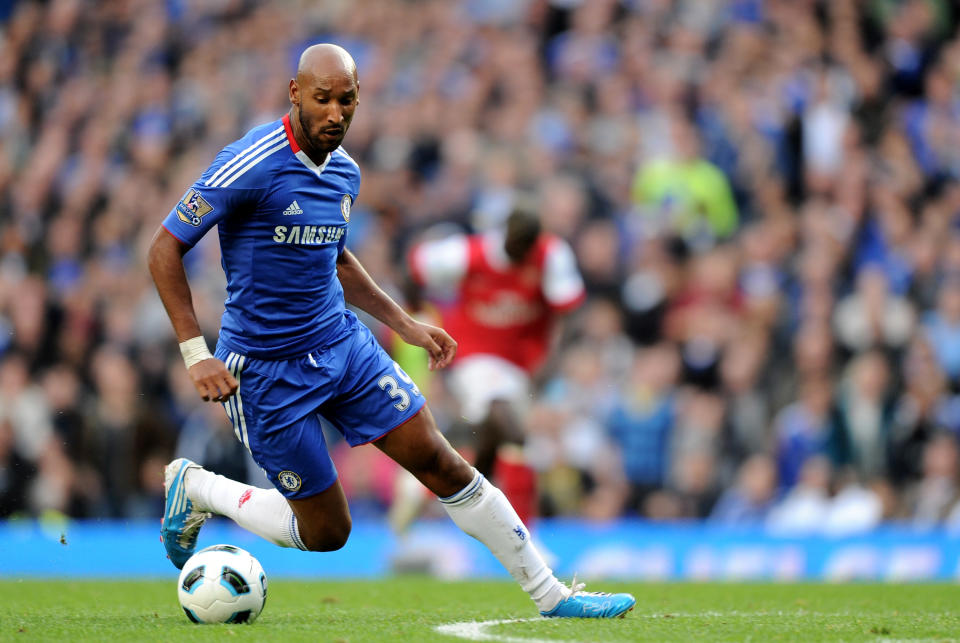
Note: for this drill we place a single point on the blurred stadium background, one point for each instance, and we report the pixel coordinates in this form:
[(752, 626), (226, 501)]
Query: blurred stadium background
[(763, 197)]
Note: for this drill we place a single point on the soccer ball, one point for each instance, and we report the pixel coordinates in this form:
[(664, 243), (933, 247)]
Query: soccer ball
[(222, 584)]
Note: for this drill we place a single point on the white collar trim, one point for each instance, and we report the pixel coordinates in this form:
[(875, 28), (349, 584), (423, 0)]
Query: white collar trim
[(313, 167)]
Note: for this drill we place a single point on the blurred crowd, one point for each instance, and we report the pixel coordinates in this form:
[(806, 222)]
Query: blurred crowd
[(763, 197)]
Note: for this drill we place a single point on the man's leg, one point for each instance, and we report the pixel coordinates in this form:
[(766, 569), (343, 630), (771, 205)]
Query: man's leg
[(507, 464), (306, 509), (318, 523), (493, 395), (478, 508)]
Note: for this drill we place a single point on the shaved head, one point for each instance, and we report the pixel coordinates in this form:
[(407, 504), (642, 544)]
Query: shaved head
[(326, 58), (323, 98)]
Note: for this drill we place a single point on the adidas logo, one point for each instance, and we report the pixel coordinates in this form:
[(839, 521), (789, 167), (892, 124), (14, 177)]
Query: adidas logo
[(293, 208)]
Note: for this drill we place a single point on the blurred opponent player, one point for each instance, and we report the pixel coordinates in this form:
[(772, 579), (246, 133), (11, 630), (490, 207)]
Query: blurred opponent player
[(289, 350), (510, 287)]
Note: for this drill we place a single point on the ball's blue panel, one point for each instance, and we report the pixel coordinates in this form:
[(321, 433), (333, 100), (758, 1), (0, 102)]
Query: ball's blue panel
[(194, 579)]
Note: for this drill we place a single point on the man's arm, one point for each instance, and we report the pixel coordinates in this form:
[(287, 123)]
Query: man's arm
[(361, 291), (165, 258)]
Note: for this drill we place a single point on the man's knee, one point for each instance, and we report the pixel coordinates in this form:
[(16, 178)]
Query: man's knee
[(329, 537), (452, 466), (449, 474)]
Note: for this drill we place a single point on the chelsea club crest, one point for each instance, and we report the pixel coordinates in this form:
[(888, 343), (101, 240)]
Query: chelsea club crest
[(345, 204), (289, 480)]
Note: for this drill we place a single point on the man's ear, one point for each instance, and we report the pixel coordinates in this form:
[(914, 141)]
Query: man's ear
[(294, 92)]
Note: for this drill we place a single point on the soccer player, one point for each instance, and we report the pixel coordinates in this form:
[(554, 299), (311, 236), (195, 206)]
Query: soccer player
[(512, 286), (289, 350)]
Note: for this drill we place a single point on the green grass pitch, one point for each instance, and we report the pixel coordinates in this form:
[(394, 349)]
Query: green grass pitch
[(411, 609)]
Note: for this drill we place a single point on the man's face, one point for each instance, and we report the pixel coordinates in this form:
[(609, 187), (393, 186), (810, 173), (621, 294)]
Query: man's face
[(520, 238), (326, 105), (518, 247)]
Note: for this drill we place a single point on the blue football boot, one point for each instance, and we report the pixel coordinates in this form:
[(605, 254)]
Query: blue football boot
[(581, 604), (181, 521)]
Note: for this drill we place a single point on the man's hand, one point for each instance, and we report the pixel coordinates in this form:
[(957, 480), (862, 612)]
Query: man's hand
[(439, 345), (213, 380)]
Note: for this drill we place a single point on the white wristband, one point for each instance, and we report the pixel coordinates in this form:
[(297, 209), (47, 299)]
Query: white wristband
[(194, 350)]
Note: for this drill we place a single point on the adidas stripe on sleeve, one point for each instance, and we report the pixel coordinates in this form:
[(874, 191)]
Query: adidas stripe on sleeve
[(230, 184)]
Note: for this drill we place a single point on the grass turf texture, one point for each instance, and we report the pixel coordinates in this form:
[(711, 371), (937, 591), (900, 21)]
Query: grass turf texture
[(409, 609)]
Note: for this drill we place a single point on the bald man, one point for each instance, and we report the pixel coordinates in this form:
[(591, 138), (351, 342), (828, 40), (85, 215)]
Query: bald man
[(290, 352)]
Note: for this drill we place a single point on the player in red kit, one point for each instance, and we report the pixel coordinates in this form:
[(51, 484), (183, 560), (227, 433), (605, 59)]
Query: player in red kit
[(511, 286)]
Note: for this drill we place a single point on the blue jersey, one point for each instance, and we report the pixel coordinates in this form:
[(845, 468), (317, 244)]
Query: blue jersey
[(282, 221)]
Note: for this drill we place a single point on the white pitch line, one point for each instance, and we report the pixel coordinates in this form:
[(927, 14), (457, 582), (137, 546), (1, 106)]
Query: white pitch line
[(476, 631)]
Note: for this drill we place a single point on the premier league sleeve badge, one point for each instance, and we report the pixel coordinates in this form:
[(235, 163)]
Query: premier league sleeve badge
[(193, 207)]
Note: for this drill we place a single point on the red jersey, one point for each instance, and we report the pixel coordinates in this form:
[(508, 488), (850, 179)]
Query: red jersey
[(500, 308)]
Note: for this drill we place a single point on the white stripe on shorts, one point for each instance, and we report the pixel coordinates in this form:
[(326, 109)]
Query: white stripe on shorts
[(243, 420), (231, 404)]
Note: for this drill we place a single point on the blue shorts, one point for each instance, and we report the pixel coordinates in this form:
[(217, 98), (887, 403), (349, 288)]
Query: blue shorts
[(352, 384)]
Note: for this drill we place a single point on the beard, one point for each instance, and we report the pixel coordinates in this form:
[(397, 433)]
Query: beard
[(316, 144)]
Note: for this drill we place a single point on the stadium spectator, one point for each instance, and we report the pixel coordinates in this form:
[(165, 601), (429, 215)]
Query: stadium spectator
[(750, 500), (855, 507), (872, 317), (641, 421), (942, 328), (686, 193), (804, 507), (805, 428), (929, 502), (746, 422), (24, 406), (863, 415), (16, 472), (924, 407)]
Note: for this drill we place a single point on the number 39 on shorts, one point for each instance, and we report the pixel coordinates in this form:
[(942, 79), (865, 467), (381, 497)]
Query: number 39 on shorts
[(389, 384)]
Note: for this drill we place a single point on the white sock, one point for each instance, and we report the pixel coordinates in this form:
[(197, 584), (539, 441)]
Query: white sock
[(481, 510), (265, 512)]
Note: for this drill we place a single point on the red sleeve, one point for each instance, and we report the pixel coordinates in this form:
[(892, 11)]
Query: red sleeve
[(414, 266)]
